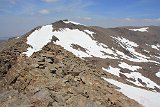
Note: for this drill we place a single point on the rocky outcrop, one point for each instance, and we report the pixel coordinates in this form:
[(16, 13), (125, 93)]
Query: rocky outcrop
[(54, 77)]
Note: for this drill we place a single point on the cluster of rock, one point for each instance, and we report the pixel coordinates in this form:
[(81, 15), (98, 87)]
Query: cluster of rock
[(54, 77)]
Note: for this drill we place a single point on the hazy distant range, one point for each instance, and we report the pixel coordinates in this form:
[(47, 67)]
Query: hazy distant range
[(3, 38)]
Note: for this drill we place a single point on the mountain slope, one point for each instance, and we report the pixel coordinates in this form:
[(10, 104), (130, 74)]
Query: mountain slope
[(55, 77), (38, 64)]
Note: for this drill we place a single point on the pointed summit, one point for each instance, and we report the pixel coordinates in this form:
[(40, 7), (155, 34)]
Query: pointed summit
[(66, 24)]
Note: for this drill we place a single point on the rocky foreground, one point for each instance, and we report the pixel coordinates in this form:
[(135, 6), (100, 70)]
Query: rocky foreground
[(53, 77)]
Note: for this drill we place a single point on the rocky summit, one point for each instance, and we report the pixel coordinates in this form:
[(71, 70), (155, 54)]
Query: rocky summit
[(68, 64)]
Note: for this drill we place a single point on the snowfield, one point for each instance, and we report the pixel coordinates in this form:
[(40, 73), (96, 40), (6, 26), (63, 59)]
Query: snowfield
[(38, 39), (144, 97), (130, 67), (130, 46), (141, 29), (155, 47), (67, 37), (84, 39), (132, 75), (111, 70), (136, 76)]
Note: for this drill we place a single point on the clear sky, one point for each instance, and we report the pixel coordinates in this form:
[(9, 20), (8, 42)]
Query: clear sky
[(20, 16)]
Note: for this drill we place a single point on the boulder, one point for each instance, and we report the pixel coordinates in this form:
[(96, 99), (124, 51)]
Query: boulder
[(14, 99), (50, 60), (35, 65), (41, 98), (81, 101)]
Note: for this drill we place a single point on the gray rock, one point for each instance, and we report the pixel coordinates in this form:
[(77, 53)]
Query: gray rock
[(41, 63), (35, 65), (49, 60), (81, 101), (90, 103), (58, 98), (53, 70), (54, 38), (41, 59), (14, 99), (42, 96), (41, 67), (74, 73)]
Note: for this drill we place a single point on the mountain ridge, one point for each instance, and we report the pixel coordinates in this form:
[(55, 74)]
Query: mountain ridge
[(115, 53)]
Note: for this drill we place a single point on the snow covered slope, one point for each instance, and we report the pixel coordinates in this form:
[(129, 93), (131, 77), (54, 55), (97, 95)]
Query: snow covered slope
[(38, 39), (130, 57), (141, 29), (144, 97)]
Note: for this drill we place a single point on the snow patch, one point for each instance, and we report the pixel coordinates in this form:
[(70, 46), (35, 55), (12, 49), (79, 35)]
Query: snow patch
[(155, 47), (158, 74), (89, 32), (111, 70), (126, 42), (141, 29), (38, 39), (130, 46), (67, 37), (75, 23), (158, 45), (146, 51), (144, 97), (17, 37), (130, 67), (136, 76)]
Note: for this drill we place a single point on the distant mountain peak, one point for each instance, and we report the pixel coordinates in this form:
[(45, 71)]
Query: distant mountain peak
[(65, 23)]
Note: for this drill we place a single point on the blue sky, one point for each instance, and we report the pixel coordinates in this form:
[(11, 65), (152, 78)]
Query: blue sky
[(19, 16)]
